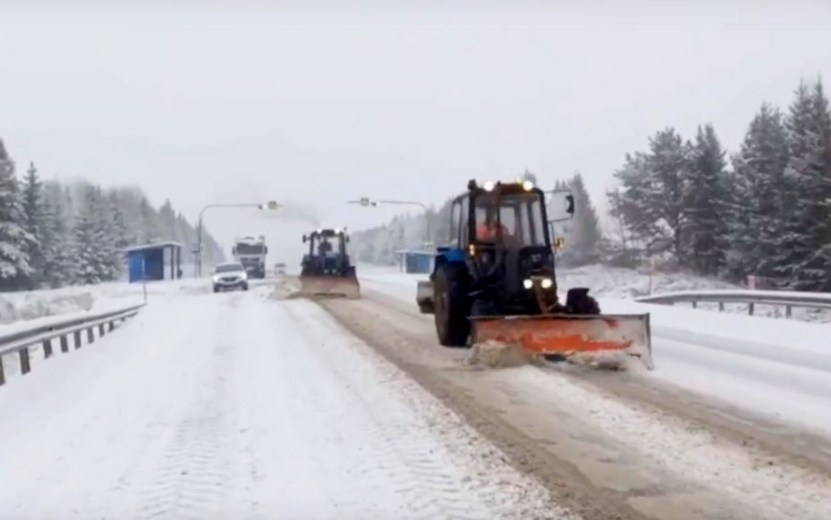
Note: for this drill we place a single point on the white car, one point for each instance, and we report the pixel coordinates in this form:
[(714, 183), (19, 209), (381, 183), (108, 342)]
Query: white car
[(230, 276)]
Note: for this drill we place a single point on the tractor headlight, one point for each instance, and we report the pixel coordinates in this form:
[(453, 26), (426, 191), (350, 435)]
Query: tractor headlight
[(527, 185), (547, 283), (528, 283), (489, 186)]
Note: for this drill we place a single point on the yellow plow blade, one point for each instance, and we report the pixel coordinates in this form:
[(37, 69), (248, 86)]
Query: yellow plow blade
[(330, 287), (569, 335)]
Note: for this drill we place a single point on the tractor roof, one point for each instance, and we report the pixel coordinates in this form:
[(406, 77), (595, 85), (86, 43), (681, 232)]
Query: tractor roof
[(503, 187), (327, 232)]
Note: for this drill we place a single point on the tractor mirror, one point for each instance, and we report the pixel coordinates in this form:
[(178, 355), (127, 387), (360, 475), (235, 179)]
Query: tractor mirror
[(559, 243), (560, 205), (305, 239), (346, 238)]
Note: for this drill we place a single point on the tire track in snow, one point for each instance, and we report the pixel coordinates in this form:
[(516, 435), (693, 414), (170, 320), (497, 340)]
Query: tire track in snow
[(195, 476), (422, 472), (391, 454)]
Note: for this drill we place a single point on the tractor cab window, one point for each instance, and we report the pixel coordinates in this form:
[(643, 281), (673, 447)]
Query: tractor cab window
[(325, 245), (514, 219)]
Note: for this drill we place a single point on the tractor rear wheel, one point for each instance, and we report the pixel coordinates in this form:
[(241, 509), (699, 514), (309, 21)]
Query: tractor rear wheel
[(451, 306), (579, 302)]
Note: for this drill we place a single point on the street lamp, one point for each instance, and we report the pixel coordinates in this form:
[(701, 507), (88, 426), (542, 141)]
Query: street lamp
[(369, 203), (270, 205)]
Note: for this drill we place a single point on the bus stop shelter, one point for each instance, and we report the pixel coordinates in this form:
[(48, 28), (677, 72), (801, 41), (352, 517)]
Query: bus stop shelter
[(415, 261), (159, 261)]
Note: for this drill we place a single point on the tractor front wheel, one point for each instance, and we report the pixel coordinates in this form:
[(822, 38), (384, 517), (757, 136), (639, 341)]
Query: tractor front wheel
[(451, 306), (579, 302)]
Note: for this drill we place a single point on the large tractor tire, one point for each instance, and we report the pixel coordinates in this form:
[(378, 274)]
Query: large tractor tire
[(451, 306), (579, 302)]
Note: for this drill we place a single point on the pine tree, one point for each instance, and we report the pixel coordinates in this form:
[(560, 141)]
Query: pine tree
[(528, 175), (757, 185), (583, 238), (803, 256), (14, 239), (33, 222), (707, 204), (652, 199), (59, 265), (111, 254), (89, 240), (149, 225)]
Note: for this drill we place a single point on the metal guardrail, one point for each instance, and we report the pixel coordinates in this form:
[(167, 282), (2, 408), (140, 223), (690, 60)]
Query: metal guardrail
[(751, 298), (20, 341)]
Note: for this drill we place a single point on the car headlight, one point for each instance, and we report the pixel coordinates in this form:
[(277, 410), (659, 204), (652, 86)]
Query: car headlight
[(528, 283), (547, 283)]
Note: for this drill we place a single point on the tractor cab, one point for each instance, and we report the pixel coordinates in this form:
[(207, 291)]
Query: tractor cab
[(327, 252), (500, 231)]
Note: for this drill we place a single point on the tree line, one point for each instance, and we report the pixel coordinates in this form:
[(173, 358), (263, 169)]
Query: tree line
[(54, 234), (764, 210)]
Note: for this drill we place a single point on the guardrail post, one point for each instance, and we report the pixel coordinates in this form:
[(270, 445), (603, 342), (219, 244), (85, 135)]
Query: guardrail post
[(721, 306), (2, 375), (77, 339), (750, 308), (47, 348), (64, 344), (101, 330), (90, 334), (112, 326), (24, 360), (788, 311), (695, 304)]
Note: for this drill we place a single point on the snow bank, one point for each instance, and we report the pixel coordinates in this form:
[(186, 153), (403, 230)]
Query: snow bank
[(26, 306), (605, 283)]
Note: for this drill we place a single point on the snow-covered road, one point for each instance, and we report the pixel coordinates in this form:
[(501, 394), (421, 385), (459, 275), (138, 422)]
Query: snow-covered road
[(242, 406), (673, 453), (776, 368)]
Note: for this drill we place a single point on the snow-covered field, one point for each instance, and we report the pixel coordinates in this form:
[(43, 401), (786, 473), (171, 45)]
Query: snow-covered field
[(779, 368), (240, 405)]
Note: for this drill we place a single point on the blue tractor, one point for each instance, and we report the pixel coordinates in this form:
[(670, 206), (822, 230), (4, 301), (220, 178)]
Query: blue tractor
[(495, 280), (326, 269)]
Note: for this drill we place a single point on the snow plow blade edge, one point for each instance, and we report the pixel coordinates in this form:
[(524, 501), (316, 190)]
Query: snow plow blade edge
[(330, 287), (569, 335)]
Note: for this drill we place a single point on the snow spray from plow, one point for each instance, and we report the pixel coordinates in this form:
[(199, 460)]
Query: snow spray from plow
[(574, 337)]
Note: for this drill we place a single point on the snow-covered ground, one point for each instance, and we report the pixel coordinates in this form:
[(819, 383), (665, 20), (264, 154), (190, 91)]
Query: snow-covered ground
[(240, 405), (776, 367)]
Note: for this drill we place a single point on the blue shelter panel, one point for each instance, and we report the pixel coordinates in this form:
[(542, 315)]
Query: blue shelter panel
[(135, 261), (154, 264)]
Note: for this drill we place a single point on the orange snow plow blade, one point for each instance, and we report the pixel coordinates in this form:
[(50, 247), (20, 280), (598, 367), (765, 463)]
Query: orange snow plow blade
[(330, 287), (569, 335)]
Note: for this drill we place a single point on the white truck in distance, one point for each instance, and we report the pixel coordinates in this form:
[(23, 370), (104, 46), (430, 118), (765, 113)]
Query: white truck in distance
[(250, 252)]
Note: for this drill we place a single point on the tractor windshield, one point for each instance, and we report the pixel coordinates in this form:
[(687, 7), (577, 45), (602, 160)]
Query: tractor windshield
[(323, 245), (515, 219)]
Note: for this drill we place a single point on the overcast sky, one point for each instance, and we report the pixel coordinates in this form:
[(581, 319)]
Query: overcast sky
[(205, 102)]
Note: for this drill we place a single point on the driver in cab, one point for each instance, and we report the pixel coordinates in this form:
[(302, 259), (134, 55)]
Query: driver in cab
[(491, 231)]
